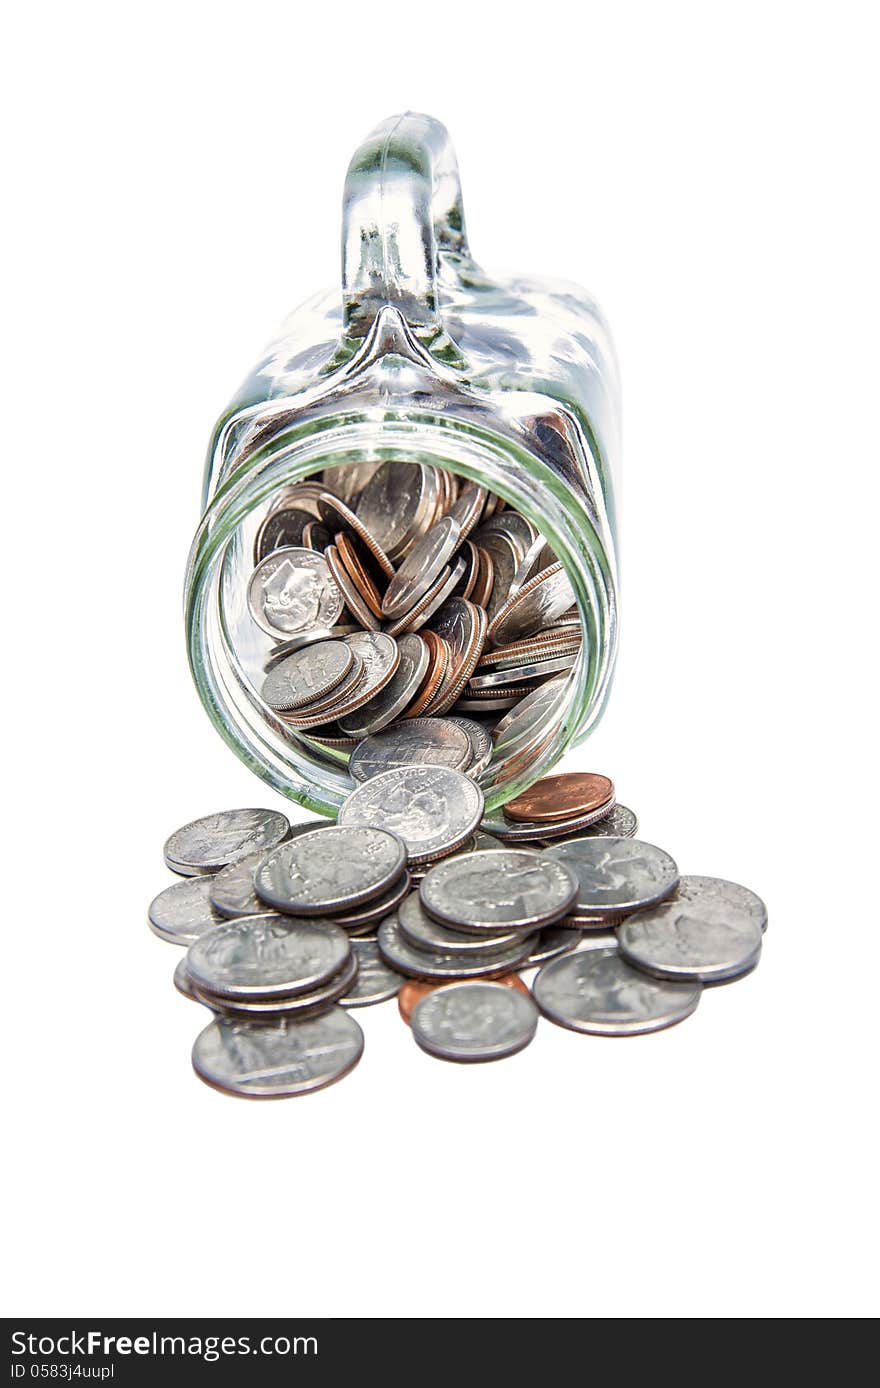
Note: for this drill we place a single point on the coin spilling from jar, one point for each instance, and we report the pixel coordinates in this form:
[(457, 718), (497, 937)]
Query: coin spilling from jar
[(398, 594), (415, 894)]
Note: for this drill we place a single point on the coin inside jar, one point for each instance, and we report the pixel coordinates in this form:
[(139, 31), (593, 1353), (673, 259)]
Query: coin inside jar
[(413, 742)]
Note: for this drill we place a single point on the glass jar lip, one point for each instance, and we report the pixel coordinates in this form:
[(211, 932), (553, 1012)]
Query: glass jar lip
[(466, 447)]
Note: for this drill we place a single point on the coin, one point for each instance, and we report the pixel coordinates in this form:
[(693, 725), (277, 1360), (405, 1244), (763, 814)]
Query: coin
[(348, 480), (422, 567), (375, 982), (307, 675), (521, 533), (359, 920), (414, 742), (232, 888), (414, 989), (397, 951), (524, 724), (481, 744), (183, 911), (281, 529), (307, 638), (354, 599), (208, 844), (538, 602), (539, 669), (551, 943), (337, 515), (505, 556), (597, 991), (307, 1004), (330, 870), (433, 600), (474, 1021), (616, 876), (358, 572), (561, 796), (468, 507), (322, 710), (424, 932), (433, 809), (439, 656), (703, 933), (462, 625), (506, 889), (618, 823), (262, 1060), (315, 536), (394, 697), (181, 981), (539, 833), (397, 505), (715, 897), (292, 590), (266, 956)]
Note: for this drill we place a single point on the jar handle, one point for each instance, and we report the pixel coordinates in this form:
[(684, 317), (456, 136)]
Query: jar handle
[(402, 208)]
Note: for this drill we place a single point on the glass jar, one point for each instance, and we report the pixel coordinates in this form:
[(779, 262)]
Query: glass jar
[(511, 382)]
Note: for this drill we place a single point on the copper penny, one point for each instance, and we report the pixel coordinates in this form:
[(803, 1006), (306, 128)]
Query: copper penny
[(463, 626), (440, 657), (337, 515), (562, 796), (485, 579), (358, 573), (415, 989), (348, 588)]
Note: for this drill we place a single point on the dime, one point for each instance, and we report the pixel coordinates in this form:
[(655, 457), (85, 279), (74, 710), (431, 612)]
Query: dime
[(471, 558), (281, 529), (481, 744), (597, 991), (266, 956), (414, 989), (337, 515), (474, 1021), (422, 567), (527, 567), (702, 932), (508, 889), (375, 982), (307, 1004), (307, 675), (414, 742), (354, 600), (616, 876), (618, 823), (272, 1060), (330, 870), (538, 602), (394, 697), (208, 844), (426, 933), (397, 951), (433, 809), (291, 591), (397, 505), (562, 796), (551, 943), (183, 911)]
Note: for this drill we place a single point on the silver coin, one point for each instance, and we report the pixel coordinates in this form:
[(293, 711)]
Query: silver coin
[(616, 875), (381, 656), (426, 933), (505, 556), (521, 673), (433, 809), (232, 888), (534, 607), (375, 982), (551, 943), (468, 507), (597, 991), (397, 694), (526, 720), (307, 638), (451, 577), (307, 1004), (322, 711), (307, 676), (331, 870), (618, 823), (508, 889), (402, 955), (348, 480), (528, 566), (396, 503), (521, 533), (694, 935), (183, 911), (355, 922), (522, 831), (208, 844), (182, 983), (266, 956), (422, 567), (716, 897), (281, 529), (414, 742), (273, 1060), (474, 1021), (481, 744), (292, 590)]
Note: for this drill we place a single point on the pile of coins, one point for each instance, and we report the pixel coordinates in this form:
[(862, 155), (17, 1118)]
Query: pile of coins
[(414, 894), (396, 592)]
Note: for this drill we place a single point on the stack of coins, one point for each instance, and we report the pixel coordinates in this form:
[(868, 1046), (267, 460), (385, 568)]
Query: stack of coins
[(396, 591), (288, 929)]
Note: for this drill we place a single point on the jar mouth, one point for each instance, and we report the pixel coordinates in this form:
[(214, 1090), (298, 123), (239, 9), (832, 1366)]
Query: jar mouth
[(228, 652)]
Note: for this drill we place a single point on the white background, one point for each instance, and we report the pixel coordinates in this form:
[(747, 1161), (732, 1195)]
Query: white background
[(174, 187)]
